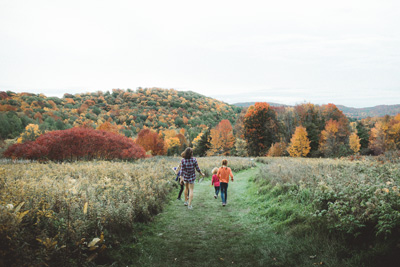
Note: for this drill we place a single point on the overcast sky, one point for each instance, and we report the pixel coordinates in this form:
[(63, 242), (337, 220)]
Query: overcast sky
[(343, 52)]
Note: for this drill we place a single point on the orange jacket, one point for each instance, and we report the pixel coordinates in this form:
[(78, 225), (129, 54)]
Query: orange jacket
[(224, 173)]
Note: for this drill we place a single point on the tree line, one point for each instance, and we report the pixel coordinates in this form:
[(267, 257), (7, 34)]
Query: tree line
[(306, 130)]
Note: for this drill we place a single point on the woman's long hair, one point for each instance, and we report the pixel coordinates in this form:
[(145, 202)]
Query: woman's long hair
[(188, 153)]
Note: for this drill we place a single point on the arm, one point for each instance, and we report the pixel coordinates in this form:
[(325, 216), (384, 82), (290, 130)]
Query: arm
[(178, 169), (198, 168), (230, 173)]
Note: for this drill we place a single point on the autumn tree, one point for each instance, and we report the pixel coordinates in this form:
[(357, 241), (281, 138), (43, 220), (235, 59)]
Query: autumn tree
[(202, 143), (331, 112), (311, 117), (222, 139), (238, 129), (378, 139), (109, 127), (31, 133), (354, 142), (299, 145), (277, 149), (329, 144), (261, 128), (394, 131), (151, 141)]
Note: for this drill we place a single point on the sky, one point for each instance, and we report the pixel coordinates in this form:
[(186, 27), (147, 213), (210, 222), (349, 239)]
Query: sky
[(343, 52)]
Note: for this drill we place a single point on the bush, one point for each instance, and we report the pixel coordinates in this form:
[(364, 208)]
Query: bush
[(77, 143)]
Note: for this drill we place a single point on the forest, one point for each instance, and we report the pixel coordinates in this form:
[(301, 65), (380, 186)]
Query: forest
[(165, 121)]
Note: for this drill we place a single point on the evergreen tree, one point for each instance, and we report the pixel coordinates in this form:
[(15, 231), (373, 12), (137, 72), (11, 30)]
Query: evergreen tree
[(203, 144)]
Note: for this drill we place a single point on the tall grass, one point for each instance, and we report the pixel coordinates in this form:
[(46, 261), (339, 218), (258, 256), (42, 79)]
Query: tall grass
[(71, 213), (358, 201)]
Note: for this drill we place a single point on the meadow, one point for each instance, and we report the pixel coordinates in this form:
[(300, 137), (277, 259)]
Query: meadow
[(354, 202), (73, 213)]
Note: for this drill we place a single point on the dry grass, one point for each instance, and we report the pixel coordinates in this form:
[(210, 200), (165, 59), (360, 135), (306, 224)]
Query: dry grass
[(52, 213)]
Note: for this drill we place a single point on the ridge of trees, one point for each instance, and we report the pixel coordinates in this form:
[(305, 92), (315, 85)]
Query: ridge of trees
[(130, 110), (165, 122)]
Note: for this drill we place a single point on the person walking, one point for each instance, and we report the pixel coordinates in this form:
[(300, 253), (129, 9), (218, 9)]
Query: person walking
[(178, 172), (189, 166), (223, 173), (215, 182)]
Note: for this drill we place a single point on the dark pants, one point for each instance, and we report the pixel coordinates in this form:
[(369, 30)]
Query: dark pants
[(216, 190), (181, 190), (224, 192)]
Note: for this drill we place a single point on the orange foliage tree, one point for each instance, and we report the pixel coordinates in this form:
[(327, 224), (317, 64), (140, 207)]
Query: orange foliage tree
[(277, 149), (299, 143), (107, 126), (394, 131), (151, 141), (261, 128), (378, 138), (222, 139), (329, 144)]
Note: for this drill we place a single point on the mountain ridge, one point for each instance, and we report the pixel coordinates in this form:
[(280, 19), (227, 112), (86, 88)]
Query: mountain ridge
[(354, 113)]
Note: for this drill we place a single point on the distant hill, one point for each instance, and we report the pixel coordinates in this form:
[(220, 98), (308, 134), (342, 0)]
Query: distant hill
[(131, 110), (377, 111), (355, 113), (248, 104)]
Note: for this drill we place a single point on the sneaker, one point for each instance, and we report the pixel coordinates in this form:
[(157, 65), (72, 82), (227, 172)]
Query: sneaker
[(223, 204), (215, 196), (185, 203), (190, 207), (179, 198)]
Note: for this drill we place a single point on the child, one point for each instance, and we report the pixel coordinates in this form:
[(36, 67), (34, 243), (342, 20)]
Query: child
[(215, 182), (223, 173), (178, 175)]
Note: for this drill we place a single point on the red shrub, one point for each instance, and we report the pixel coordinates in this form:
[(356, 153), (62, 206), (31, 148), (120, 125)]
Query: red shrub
[(77, 143)]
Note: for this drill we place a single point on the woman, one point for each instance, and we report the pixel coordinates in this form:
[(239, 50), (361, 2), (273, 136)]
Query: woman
[(189, 166)]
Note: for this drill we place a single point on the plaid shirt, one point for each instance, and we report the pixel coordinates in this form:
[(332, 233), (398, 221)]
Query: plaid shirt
[(188, 167)]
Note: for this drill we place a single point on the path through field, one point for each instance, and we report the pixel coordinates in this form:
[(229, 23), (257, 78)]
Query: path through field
[(212, 235)]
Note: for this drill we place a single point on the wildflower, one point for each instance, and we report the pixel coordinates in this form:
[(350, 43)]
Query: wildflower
[(10, 206), (385, 190)]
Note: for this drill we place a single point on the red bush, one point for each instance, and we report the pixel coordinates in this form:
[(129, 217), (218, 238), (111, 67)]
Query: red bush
[(77, 143)]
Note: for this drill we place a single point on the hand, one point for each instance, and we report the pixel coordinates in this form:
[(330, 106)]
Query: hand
[(202, 174)]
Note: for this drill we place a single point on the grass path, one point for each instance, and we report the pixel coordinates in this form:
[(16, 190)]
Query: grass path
[(212, 235)]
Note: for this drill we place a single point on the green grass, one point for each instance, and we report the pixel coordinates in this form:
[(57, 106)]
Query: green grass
[(246, 232)]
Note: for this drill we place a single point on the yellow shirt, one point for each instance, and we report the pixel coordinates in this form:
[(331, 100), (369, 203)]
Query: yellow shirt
[(224, 173)]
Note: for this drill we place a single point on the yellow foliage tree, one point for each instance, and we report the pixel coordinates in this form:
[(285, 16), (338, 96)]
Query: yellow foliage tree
[(196, 141), (31, 133), (299, 143), (354, 142)]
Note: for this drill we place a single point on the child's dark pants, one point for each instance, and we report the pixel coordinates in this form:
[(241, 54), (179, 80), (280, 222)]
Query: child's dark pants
[(224, 191), (216, 190)]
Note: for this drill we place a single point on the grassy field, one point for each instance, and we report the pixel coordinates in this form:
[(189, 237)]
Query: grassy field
[(282, 212), (73, 213), (270, 221)]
